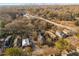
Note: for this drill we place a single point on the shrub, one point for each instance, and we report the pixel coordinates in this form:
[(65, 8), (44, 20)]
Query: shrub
[(61, 44), (13, 52), (49, 40), (2, 24), (77, 35), (1, 33)]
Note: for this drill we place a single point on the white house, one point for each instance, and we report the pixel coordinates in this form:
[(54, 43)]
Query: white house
[(8, 38), (26, 15), (58, 34), (25, 42), (65, 31)]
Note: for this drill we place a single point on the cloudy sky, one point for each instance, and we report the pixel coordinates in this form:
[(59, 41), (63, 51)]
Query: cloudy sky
[(37, 1)]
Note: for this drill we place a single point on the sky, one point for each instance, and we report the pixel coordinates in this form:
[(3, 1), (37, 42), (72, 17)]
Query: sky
[(37, 1)]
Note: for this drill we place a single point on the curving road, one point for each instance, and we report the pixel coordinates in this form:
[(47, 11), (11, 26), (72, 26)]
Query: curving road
[(59, 25)]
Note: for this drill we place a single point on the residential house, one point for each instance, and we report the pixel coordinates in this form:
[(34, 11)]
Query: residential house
[(59, 34), (27, 42), (7, 42)]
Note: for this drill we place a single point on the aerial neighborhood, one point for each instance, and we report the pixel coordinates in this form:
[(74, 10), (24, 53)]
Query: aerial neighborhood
[(45, 30)]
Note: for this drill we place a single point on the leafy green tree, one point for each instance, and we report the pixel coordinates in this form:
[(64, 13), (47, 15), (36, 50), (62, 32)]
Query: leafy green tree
[(61, 44), (2, 24)]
